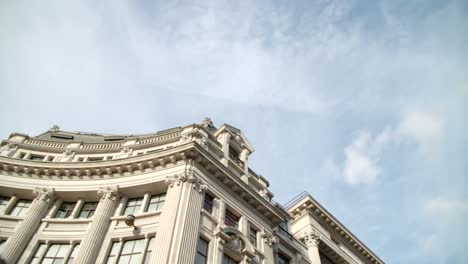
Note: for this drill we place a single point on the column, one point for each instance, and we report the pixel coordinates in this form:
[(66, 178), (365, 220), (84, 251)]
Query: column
[(144, 203), (163, 239), (186, 239), (54, 209), (25, 230), (312, 241), (120, 209), (77, 209), (91, 243), (177, 233), (221, 213), (10, 204)]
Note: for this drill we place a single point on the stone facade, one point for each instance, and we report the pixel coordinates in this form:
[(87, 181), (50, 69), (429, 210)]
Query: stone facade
[(182, 195)]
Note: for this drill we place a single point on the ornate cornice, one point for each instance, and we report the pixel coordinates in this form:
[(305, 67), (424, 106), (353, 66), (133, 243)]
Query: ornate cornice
[(109, 192), (305, 204)]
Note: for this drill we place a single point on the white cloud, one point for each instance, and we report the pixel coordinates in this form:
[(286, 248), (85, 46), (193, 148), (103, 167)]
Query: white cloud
[(446, 208), (423, 127), (362, 156)]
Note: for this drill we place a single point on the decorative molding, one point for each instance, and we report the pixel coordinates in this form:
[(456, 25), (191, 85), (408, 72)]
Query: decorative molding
[(311, 238), (269, 238), (44, 194), (109, 192)]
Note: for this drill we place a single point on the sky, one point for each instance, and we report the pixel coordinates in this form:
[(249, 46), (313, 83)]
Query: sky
[(363, 104)]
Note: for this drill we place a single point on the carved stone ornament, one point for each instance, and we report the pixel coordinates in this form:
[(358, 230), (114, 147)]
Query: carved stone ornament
[(235, 244), (202, 141), (270, 239), (264, 194), (109, 192), (175, 180), (44, 194), (311, 238)]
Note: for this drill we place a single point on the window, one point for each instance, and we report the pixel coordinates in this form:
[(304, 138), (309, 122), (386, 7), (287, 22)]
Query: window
[(228, 260), (202, 251), (88, 209), (156, 202), (91, 159), (133, 205), (131, 251), (54, 253), (3, 204), (282, 259), (65, 210), (208, 203), (21, 207), (36, 157), (149, 250), (73, 254), (253, 236), (231, 219)]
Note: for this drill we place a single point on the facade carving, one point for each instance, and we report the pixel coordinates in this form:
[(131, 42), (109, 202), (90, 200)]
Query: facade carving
[(93, 197)]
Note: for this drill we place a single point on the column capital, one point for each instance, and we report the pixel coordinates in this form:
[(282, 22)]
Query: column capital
[(311, 238), (44, 194), (270, 239), (109, 192)]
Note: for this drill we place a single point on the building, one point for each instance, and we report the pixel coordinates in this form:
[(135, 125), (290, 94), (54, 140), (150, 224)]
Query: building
[(182, 195)]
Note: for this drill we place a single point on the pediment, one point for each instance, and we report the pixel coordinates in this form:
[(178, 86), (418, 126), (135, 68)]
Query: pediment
[(236, 136)]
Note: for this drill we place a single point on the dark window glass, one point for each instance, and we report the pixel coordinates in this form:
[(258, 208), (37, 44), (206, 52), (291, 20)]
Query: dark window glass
[(202, 251), (208, 203), (231, 219), (282, 259), (156, 202), (133, 205), (253, 237), (3, 204), (21, 208), (228, 260), (88, 209), (65, 210)]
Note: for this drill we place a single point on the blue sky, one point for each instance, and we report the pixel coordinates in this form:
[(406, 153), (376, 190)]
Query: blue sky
[(360, 103)]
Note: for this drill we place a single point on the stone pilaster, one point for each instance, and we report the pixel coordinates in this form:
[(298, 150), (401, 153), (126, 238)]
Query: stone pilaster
[(312, 241), (177, 234), (164, 235), (16, 244), (91, 243)]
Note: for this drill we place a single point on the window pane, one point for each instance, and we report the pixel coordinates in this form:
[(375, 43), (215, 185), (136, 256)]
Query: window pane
[(133, 205), (124, 260), (3, 203), (88, 209), (65, 210), (21, 208), (63, 251), (128, 247)]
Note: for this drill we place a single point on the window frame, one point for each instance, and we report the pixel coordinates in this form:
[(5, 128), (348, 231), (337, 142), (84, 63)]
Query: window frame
[(208, 203), (284, 258), (4, 201), (68, 212), (89, 211), (159, 203), (47, 245), (200, 238), (136, 207), (255, 237), (120, 243), (229, 216), (23, 211)]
